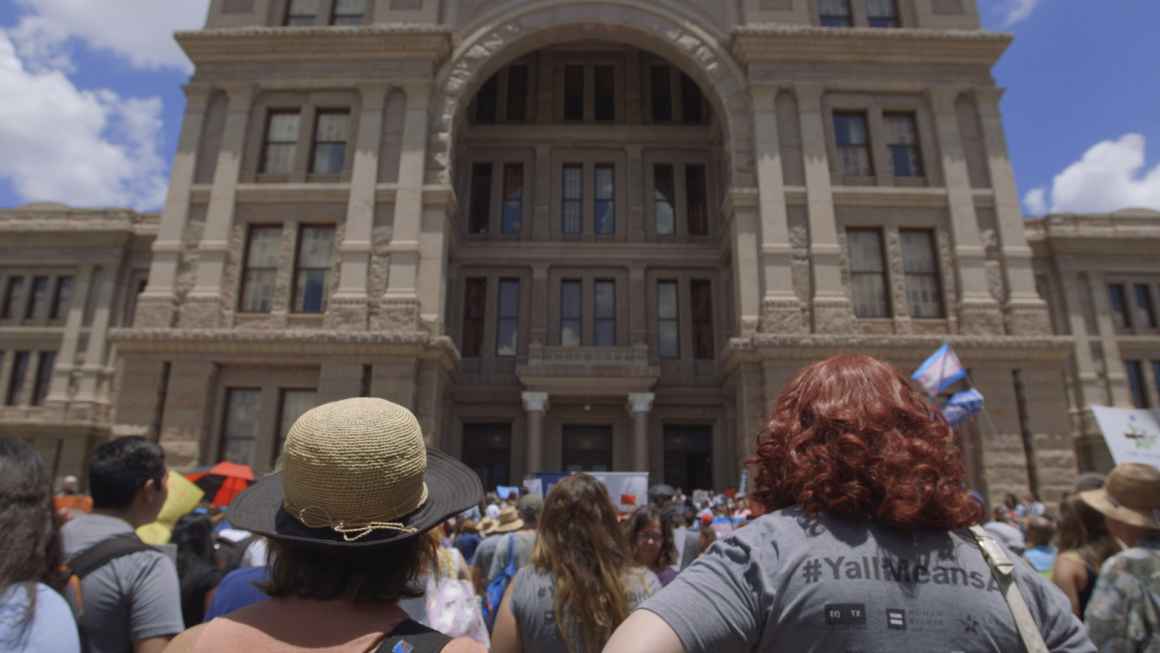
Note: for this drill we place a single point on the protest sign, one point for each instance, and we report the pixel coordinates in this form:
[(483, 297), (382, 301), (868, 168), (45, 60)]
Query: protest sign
[(1133, 435)]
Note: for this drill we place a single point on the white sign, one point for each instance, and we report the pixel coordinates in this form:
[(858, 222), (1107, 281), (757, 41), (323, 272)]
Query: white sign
[(1133, 435), (534, 486), (621, 485)]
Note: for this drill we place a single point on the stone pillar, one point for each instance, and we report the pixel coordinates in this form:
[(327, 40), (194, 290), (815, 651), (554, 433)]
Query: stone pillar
[(741, 215), (66, 357), (832, 310), (536, 404), (780, 312), (438, 204), (203, 307), (348, 309), (156, 306), (1091, 389), (1118, 390), (94, 367), (189, 413), (636, 193), (1025, 311), (637, 305), (639, 405), (542, 197), (978, 310), (539, 330)]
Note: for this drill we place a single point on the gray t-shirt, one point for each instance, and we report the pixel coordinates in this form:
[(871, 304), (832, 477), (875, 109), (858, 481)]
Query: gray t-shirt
[(131, 598), (524, 542), (789, 583), (532, 604), (484, 553)]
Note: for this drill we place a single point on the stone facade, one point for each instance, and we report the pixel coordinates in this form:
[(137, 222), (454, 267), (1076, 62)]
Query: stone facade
[(586, 234)]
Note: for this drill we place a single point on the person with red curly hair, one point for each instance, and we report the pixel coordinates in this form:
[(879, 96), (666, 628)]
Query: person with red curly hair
[(864, 543)]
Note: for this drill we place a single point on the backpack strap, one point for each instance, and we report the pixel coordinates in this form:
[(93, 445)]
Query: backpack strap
[(1003, 570), (104, 552), (413, 637)]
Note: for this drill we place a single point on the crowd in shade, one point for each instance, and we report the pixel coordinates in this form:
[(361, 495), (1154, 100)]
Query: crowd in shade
[(858, 533)]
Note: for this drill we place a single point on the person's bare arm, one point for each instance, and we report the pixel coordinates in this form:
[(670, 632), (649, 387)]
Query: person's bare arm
[(1069, 575), (506, 637), (183, 643), (644, 631)]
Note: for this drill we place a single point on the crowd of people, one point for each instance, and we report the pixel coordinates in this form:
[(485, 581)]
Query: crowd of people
[(858, 533)]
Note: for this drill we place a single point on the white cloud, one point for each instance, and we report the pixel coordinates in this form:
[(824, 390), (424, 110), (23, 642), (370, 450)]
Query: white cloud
[(86, 148), (1110, 176), (1010, 12)]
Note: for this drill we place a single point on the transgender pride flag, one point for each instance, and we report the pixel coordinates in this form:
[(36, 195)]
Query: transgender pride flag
[(940, 371)]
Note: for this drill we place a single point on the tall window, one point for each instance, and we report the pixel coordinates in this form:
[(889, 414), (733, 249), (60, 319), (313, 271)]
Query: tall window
[(16, 378), (1145, 310), (302, 12), (480, 209), (260, 269), (605, 82), (486, 101), (571, 313), (1118, 298), (12, 291), (668, 320), (574, 92), (46, 361), (508, 326), (331, 132), (312, 268), (604, 181), (240, 425), (882, 13), (923, 291), (292, 403), (853, 144), (664, 202), (661, 84), (835, 13), (281, 139), (701, 295), (348, 12), (867, 273), (474, 309), (572, 202), (487, 451), (37, 305), (61, 298), (696, 201), (513, 199), (604, 298), (1135, 372), (905, 154), (692, 102), (517, 93)]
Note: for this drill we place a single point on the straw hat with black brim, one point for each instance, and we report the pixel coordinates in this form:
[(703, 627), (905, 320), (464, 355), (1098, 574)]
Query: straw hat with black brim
[(356, 473), (1131, 496)]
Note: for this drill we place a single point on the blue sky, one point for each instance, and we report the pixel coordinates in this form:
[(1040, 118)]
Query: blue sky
[(99, 102)]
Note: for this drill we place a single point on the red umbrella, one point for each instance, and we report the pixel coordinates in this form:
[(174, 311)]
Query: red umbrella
[(223, 481)]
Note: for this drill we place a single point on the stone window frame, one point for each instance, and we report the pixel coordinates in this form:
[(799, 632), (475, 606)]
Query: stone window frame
[(875, 106), (488, 359), (907, 16), (270, 381), (937, 273), (308, 105), (503, 77), (588, 276), (589, 60), (1130, 281), (20, 302), (281, 8), (588, 158), (1138, 382), (648, 61), (138, 280), (498, 158), (679, 159), (683, 277)]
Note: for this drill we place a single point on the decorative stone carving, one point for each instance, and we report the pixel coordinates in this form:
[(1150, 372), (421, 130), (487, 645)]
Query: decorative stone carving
[(781, 317), (201, 313), (155, 312), (397, 316)]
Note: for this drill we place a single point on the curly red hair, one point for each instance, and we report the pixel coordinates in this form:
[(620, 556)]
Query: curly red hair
[(850, 437)]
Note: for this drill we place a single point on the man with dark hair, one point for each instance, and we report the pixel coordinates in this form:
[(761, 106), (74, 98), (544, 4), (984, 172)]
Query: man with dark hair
[(129, 598)]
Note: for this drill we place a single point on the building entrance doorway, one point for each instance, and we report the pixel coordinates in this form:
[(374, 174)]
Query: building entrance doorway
[(587, 448), (689, 456), (487, 449)]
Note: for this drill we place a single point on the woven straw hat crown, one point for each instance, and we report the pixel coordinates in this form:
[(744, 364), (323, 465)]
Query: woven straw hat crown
[(355, 465)]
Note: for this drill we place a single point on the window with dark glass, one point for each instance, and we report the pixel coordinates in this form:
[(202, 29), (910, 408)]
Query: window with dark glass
[(573, 92), (867, 273), (312, 268), (479, 213), (12, 291), (281, 139), (692, 102), (604, 180), (292, 404), (302, 12), (882, 13), (571, 312), (61, 298), (240, 425), (572, 200), (517, 93), (853, 144), (661, 84), (486, 101), (36, 307), (1145, 309), (835, 13), (1135, 373), (1118, 298), (474, 309), (487, 451), (905, 154), (701, 298), (664, 202), (668, 320), (604, 298), (45, 361), (16, 378), (513, 199), (331, 132), (923, 290), (696, 201), (605, 82), (260, 269), (349, 12), (508, 325)]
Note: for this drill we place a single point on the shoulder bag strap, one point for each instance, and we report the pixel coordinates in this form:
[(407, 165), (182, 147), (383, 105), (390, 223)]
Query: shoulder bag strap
[(1003, 569), (103, 552), (413, 637)]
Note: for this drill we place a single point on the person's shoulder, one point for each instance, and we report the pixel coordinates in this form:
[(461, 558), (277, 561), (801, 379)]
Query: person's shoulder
[(185, 641), (462, 645), (51, 602)]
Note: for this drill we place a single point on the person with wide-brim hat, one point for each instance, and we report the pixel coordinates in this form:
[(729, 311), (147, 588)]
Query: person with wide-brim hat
[(344, 514), (509, 521), (1122, 614)]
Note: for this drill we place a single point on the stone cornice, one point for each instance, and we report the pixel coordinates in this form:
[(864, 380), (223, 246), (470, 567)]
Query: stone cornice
[(1124, 233), (780, 42), (381, 40), (65, 220)]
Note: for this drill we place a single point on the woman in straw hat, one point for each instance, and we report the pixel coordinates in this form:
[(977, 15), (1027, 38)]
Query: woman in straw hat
[(345, 518)]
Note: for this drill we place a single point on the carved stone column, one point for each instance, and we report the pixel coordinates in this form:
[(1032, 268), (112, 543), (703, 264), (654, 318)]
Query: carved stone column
[(94, 367), (1092, 391), (741, 214), (66, 357), (639, 406), (536, 405), (1113, 364)]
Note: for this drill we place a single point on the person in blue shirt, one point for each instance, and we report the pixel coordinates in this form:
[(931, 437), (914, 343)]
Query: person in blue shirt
[(1040, 553), (237, 590)]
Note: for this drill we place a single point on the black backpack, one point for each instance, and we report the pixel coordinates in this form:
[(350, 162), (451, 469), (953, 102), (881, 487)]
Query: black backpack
[(91, 559)]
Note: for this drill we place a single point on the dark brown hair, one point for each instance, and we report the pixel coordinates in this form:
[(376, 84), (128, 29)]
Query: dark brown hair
[(1082, 529), (364, 575), (640, 519)]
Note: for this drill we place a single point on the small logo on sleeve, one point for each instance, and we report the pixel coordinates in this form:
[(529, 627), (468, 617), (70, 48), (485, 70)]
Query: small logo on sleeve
[(896, 619)]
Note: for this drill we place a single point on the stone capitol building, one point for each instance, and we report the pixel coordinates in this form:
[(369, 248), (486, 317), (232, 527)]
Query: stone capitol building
[(576, 234)]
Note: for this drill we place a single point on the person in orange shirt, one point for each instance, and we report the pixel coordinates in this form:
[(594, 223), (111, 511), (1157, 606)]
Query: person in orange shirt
[(70, 497)]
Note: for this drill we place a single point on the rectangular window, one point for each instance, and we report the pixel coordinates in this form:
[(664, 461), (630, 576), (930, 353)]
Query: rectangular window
[(517, 94), (701, 298), (508, 326), (349, 12), (479, 215), (1135, 372), (835, 13), (919, 262), (905, 154), (281, 139), (853, 144), (513, 199), (486, 101), (1118, 299), (46, 361), (260, 269), (331, 133), (302, 12), (604, 182), (573, 92), (605, 82), (1145, 310), (662, 93), (12, 291), (696, 200), (604, 313), (312, 268), (571, 314), (487, 451), (240, 425), (291, 405), (867, 273), (572, 200), (16, 378), (664, 200), (882, 13), (61, 298), (36, 307), (692, 102), (668, 321), (474, 308)]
